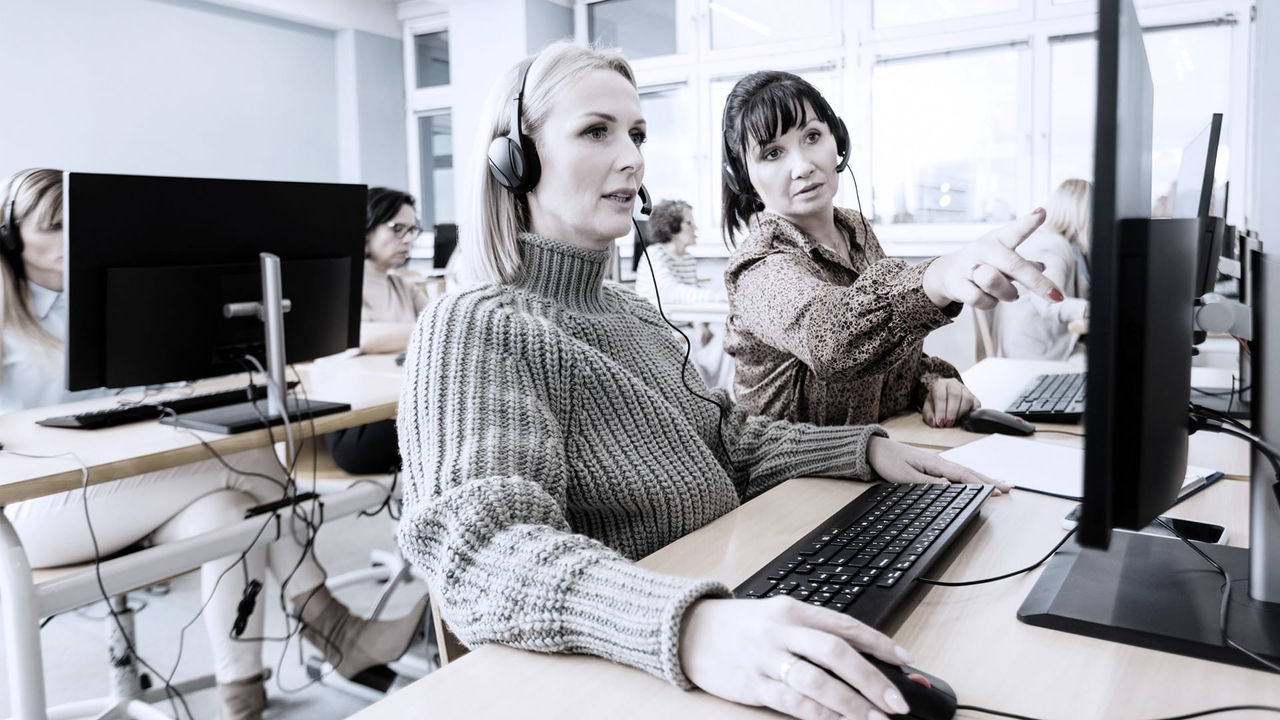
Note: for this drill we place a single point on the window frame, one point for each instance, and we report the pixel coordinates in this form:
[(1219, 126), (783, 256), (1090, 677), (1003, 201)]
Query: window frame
[(423, 102)]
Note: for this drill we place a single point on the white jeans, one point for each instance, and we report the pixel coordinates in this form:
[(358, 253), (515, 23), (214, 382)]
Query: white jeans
[(174, 504)]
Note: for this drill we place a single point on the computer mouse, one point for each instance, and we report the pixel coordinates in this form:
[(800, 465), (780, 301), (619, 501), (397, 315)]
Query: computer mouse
[(400, 358), (929, 697), (988, 420)]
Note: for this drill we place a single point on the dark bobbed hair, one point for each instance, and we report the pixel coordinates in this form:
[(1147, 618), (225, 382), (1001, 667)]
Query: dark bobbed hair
[(761, 107), (666, 219), (383, 204)]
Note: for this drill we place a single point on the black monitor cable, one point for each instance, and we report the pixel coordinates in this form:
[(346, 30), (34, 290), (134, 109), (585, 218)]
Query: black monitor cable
[(1226, 598), (688, 348), (983, 581), (173, 695), (1205, 419)]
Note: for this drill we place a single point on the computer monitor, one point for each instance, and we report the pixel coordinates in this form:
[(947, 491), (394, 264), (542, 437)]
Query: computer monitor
[(152, 261), (446, 241), (1125, 586), (1196, 172)]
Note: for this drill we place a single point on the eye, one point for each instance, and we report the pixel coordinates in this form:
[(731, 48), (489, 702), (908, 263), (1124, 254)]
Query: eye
[(772, 154), (596, 132), (813, 137), (639, 137)]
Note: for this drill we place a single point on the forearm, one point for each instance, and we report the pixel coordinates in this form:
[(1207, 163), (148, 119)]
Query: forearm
[(543, 588)]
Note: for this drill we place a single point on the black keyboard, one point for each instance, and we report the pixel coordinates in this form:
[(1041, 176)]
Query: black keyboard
[(137, 412), (1051, 398), (863, 561)]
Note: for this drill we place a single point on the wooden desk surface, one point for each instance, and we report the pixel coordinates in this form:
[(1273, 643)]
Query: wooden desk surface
[(996, 382), (967, 636), (370, 383)]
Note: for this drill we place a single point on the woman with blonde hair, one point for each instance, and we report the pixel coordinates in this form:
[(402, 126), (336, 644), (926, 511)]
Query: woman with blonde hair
[(165, 505), (1031, 327), (551, 435)]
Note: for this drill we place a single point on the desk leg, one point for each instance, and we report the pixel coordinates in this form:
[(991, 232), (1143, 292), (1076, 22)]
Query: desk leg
[(21, 628)]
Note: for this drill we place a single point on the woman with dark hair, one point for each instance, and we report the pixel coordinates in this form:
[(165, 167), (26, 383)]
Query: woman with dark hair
[(391, 305), (165, 505), (825, 328)]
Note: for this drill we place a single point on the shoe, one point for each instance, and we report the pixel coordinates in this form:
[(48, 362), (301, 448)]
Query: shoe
[(243, 699), (352, 644)]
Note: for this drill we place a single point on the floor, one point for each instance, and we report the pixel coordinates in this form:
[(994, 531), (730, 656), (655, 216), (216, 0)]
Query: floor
[(75, 657)]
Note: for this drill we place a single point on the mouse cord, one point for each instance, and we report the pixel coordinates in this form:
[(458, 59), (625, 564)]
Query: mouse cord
[(1188, 716), (1029, 568)]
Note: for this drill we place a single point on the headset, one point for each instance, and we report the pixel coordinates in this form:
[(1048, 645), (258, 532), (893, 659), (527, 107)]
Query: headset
[(513, 159), (10, 237)]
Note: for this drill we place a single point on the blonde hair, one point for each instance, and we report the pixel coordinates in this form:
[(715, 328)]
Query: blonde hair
[(497, 214), (38, 196), (1070, 211)]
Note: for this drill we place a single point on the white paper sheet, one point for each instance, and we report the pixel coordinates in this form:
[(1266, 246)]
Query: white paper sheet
[(1038, 466)]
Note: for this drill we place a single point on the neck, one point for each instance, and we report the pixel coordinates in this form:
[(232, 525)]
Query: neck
[(374, 265), (821, 227), (567, 274), (48, 281)]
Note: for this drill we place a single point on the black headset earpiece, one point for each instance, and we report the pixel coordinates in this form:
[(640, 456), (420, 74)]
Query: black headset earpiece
[(841, 134), (10, 237), (513, 160)]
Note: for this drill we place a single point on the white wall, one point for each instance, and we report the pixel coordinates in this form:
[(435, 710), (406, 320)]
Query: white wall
[(177, 87), (1266, 127)]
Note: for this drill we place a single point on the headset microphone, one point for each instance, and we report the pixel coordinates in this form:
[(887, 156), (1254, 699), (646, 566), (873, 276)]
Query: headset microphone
[(646, 207)]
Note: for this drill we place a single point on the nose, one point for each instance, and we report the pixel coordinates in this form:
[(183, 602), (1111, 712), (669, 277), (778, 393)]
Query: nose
[(630, 159), (801, 166)]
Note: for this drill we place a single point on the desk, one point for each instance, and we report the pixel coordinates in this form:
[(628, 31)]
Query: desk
[(996, 382), (370, 384), (968, 636), (710, 312)]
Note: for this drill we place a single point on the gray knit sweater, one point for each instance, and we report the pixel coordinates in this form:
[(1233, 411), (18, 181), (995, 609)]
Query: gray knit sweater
[(548, 442)]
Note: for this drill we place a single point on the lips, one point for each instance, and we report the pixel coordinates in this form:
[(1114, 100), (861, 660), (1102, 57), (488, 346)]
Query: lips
[(624, 195), (808, 189)]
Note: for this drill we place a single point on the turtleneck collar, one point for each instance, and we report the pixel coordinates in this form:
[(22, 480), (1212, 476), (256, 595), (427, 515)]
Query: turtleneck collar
[(566, 274)]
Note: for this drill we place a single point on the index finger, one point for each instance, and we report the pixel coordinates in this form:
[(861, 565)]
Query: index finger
[(959, 473), (1012, 235)]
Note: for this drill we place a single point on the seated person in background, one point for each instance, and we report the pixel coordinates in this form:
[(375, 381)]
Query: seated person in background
[(391, 305), (1031, 327), (672, 229), (822, 326), (165, 505), (676, 271), (550, 441)]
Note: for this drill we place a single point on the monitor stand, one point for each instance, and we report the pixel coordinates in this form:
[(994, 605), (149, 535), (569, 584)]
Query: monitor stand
[(1154, 592), (1223, 400), (245, 416)]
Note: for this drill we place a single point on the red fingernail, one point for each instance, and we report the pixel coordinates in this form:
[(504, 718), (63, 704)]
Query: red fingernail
[(1037, 210), (1055, 295)]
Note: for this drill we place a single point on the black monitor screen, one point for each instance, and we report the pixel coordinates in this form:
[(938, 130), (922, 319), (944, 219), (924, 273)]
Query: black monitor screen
[(446, 242), (152, 260)]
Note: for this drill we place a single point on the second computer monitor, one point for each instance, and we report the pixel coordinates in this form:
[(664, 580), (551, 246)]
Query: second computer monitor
[(152, 261), (1196, 172)]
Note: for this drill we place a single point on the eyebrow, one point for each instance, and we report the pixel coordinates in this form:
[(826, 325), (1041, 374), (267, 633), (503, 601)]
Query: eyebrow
[(607, 117)]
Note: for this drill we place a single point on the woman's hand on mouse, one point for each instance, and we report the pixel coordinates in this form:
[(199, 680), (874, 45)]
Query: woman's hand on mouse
[(982, 273), (948, 401), (899, 463), (772, 653)]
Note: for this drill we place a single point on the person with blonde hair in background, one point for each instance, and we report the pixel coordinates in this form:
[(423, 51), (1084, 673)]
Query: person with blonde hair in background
[(551, 435), (164, 505), (1031, 327)]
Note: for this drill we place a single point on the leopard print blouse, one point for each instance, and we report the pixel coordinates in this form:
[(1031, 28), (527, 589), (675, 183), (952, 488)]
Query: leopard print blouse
[(820, 340)]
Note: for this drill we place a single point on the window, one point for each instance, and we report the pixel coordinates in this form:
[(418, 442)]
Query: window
[(431, 57), (946, 138), (435, 148), (640, 28), (671, 170), (1190, 73), (894, 13), (745, 23)]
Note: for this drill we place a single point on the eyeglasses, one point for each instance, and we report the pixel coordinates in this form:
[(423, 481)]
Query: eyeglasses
[(401, 231)]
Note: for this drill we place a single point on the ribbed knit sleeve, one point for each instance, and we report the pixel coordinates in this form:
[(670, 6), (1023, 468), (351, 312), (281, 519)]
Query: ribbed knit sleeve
[(486, 498), (764, 452)]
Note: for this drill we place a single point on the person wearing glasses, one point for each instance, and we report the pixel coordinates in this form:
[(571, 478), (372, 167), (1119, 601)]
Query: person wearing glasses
[(165, 505), (390, 305)]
